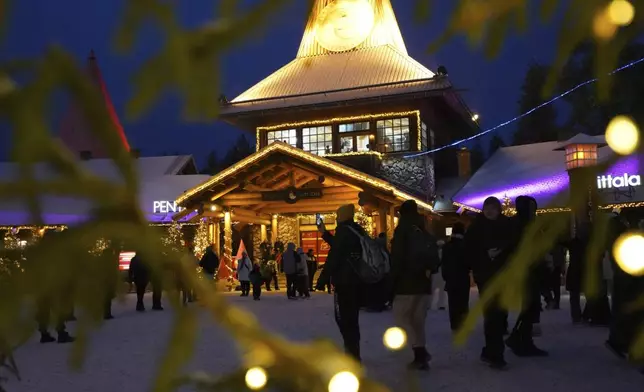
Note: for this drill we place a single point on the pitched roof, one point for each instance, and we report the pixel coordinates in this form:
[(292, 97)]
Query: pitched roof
[(539, 170), (74, 132), (159, 182), (300, 155), (378, 66)]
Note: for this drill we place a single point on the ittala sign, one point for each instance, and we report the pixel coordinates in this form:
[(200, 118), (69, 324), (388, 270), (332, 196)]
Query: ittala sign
[(165, 207), (626, 180)]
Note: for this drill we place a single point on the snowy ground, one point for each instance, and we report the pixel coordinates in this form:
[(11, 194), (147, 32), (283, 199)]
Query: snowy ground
[(124, 353)]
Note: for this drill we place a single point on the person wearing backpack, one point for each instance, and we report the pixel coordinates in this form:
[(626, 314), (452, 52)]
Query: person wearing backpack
[(340, 271), (414, 256)]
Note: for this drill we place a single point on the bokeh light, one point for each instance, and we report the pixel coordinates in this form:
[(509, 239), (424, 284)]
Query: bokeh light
[(256, 378), (621, 12), (394, 338), (344, 382), (603, 27), (622, 135), (628, 250)]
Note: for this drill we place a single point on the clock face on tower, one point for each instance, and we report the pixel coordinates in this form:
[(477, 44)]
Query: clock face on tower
[(344, 24)]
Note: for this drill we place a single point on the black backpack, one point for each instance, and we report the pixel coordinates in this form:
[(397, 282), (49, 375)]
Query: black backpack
[(423, 251)]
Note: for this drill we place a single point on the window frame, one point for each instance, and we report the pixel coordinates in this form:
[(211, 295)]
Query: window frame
[(381, 146), (370, 133), (331, 132)]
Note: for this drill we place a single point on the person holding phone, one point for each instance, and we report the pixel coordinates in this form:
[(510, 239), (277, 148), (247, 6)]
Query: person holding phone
[(487, 243)]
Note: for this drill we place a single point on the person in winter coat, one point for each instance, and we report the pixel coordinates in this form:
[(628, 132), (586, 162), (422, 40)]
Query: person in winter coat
[(140, 274), (312, 267), (256, 279), (627, 289), (456, 272), (244, 266), (209, 263), (439, 295), (411, 268), (290, 259), (487, 243), (347, 297), (303, 274), (575, 273), (520, 340)]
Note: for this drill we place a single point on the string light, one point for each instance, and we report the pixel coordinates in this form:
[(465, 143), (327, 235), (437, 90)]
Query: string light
[(394, 338), (622, 135), (627, 252), (309, 158), (256, 378), (514, 119), (334, 120), (344, 382)]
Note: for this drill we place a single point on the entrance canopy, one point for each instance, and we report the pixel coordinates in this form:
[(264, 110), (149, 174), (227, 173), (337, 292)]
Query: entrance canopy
[(281, 179)]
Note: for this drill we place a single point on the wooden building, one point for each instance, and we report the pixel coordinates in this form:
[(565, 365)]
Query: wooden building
[(342, 123)]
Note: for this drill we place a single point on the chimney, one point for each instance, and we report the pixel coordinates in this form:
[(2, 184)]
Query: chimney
[(464, 160), (136, 153), (85, 155)]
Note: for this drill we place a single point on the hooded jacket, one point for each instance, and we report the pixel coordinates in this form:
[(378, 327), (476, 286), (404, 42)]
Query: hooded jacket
[(289, 261), (485, 234), (338, 269)]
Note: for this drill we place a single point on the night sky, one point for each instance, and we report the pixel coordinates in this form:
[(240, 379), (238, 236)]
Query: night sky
[(491, 85)]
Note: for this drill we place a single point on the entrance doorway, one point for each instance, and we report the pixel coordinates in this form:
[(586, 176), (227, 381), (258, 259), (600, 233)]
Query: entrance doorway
[(313, 240)]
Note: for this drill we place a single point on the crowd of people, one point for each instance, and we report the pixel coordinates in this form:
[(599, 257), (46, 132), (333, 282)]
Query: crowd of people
[(364, 274)]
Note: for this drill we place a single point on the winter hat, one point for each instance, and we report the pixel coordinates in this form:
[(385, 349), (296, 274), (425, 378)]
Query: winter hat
[(492, 201), (345, 213), (408, 208)]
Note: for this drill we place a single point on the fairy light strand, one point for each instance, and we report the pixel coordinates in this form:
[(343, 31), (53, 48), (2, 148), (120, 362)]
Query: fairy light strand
[(508, 122)]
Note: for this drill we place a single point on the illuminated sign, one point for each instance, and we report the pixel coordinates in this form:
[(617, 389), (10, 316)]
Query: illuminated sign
[(608, 182), (165, 207), (124, 260)]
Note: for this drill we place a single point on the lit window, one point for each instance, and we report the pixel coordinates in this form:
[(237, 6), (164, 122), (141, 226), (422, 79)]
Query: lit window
[(354, 127), (581, 155), (393, 134), (318, 140), (362, 143), (288, 136), (346, 144)]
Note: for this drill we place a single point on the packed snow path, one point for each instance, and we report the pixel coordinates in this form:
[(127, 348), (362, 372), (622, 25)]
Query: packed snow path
[(123, 355)]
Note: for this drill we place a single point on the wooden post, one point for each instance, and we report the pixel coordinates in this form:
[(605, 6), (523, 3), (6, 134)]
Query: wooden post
[(392, 223), (381, 223), (274, 233), (228, 237), (263, 233), (217, 236)]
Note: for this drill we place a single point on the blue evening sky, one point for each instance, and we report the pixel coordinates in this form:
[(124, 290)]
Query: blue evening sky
[(490, 86)]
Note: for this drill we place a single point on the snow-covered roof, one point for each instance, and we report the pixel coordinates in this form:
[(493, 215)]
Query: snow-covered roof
[(160, 181), (539, 170), (446, 188)]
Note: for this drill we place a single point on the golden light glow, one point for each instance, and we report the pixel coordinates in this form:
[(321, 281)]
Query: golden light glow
[(354, 153), (343, 25), (513, 211), (213, 208), (256, 378), (603, 28), (622, 135), (34, 227), (384, 30), (628, 251), (334, 120), (309, 158), (394, 338), (621, 12), (475, 117), (344, 382)]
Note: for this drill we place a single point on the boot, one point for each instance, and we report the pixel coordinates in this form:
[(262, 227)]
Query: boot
[(521, 343), (65, 337), (45, 337), (421, 359), (494, 361), (353, 351)]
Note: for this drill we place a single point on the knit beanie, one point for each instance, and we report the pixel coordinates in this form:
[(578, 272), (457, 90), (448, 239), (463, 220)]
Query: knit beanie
[(345, 213)]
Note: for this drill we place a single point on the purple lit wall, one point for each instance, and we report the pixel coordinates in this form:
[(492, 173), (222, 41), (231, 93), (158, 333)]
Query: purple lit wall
[(549, 191)]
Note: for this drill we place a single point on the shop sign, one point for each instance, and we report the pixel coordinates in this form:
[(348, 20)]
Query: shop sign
[(165, 207), (292, 195), (608, 182)]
